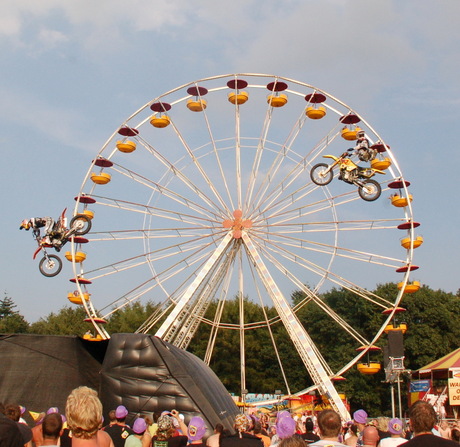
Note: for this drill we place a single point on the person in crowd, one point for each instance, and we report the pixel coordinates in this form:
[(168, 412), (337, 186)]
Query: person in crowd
[(166, 435), (119, 430), (84, 417), (242, 438), (292, 441), (149, 421), (455, 434), (351, 437), (13, 412), (285, 426), (51, 429), (381, 424), (370, 436), (265, 422), (422, 420), (309, 436), (136, 438), (214, 439), (329, 426), (444, 429), (195, 431), (360, 419), (10, 436), (395, 428), (258, 432), (112, 417)]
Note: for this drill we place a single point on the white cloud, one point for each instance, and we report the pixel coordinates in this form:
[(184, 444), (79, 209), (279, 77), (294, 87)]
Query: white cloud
[(51, 38)]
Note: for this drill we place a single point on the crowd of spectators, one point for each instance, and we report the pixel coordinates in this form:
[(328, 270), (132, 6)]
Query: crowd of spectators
[(81, 424)]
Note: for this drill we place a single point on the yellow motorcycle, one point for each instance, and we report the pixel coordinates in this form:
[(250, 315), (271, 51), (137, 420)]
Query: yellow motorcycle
[(368, 189)]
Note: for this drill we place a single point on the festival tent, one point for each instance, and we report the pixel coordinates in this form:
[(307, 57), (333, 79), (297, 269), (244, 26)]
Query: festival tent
[(139, 371), (441, 368)]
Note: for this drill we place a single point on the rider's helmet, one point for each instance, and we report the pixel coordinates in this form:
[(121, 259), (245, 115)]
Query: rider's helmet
[(25, 224)]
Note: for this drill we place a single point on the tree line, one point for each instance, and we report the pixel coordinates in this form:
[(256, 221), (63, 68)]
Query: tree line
[(431, 317)]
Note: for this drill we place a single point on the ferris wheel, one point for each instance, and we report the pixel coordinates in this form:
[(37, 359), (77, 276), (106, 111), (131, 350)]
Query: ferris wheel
[(205, 194)]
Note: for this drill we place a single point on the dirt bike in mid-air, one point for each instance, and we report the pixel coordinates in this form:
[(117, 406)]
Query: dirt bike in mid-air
[(51, 265), (322, 174)]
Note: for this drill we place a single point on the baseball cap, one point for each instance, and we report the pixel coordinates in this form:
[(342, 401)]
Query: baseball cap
[(196, 429), (139, 426), (52, 410), (121, 412), (360, 416), (395, 426)]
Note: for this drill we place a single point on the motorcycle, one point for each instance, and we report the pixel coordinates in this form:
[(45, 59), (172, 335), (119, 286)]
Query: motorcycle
[(322, 174), (51, 265)]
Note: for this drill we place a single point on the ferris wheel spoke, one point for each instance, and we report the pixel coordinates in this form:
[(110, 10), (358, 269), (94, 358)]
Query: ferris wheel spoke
[(170, 215), (313, 297), (174, 170), (270, 332), (154, 233), (163, 189), (202, 171), (337, 225), (192, 247), (276, 190), (316, 206), (328, 249), (321, 272), (162, 277)]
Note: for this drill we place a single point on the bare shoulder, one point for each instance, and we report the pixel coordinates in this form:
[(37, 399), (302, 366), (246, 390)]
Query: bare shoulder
[(104, 439)]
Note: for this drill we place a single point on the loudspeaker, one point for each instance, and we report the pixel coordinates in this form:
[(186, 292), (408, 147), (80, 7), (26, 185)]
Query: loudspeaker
[(395, 344), (386, 357)]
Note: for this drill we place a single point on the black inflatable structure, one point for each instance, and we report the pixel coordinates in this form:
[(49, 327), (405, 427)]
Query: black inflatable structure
[(139, 371)]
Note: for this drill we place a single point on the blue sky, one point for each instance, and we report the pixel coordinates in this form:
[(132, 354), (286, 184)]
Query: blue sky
[(72, 71)]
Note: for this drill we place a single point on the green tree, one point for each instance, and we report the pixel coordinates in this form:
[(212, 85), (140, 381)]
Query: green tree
[(129, 318), (68, 321), (11, 321)]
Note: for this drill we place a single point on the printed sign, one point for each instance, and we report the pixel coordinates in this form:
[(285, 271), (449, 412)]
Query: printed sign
[(420, 386), (454, 391)]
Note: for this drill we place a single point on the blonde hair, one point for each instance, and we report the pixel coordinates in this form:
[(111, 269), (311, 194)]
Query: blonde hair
[(382, 423), (83, 412)]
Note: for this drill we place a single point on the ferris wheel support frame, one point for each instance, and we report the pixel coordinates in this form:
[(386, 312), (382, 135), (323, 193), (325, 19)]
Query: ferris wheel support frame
[(296, 331)]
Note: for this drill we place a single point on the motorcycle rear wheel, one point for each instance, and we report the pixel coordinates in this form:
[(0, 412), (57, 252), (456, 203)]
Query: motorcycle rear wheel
[(50, 266), (320, 175), (370, 190), (82, 224)]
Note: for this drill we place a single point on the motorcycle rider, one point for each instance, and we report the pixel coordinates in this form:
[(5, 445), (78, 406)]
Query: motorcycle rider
[(47, 223), (362, 149)]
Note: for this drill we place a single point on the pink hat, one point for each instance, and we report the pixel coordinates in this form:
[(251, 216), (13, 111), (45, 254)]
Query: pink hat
[(395, 426), (196, 429), (360, 416), (139, 426), (285, 427), (121, 412)]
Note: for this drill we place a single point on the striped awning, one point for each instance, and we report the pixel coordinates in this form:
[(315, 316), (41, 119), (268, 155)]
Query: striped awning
[(448, 362)]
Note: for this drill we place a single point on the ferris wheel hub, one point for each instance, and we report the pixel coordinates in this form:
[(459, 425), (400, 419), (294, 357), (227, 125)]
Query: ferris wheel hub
[(237, 224)]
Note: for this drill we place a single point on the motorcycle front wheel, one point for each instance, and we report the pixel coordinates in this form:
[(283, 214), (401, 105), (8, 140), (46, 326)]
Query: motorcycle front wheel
[(50, 266), (81, 224), (320, 175), (370, 190)]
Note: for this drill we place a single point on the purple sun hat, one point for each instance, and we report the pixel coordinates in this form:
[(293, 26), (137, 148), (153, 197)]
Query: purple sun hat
[(285, 427), (139, 426), (196, 429)]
